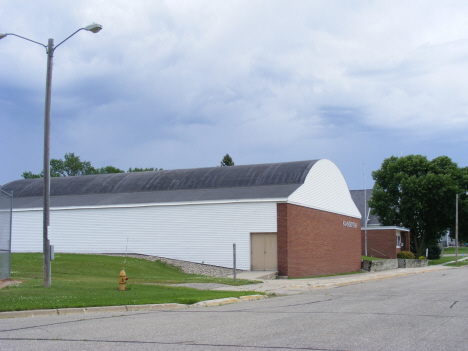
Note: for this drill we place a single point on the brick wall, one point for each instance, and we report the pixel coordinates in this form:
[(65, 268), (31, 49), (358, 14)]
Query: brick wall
[(313, 242), (405, 239), (282, 238), (382, 241)]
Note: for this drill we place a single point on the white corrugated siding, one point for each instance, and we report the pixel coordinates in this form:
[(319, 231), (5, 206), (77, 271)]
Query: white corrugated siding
[(197, 233), (325, 189)]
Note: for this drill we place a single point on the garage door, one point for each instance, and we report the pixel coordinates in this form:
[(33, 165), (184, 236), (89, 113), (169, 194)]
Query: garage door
[(263, 251)]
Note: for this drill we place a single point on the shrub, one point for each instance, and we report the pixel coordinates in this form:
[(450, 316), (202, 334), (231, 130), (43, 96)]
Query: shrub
[(406, 254), (434, 252), (422, 257)]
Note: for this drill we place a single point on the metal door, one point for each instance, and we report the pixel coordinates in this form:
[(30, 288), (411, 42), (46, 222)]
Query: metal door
[(263, 251)]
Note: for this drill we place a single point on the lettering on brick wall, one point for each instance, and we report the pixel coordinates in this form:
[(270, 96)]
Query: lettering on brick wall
[(349, 224)]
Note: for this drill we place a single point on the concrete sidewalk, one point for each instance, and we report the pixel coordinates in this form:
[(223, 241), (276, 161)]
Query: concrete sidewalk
[(298, 286), (256, 275), (460, 255)]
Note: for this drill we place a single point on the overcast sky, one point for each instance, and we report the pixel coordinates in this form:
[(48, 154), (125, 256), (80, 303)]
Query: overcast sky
[(178, 84)]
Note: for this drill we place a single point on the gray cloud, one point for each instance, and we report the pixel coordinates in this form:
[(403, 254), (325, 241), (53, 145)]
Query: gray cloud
[(179, 84)]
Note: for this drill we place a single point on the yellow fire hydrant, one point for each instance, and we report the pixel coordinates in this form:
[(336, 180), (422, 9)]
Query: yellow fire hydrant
[(123, 280)]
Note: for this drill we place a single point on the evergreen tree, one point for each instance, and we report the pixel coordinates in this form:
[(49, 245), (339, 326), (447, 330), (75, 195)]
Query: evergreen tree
[(227, 161)]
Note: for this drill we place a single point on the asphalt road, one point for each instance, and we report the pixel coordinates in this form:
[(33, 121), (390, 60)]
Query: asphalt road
[(427, 311)]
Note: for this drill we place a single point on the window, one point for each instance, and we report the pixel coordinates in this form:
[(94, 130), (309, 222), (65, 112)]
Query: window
[(398, 240)]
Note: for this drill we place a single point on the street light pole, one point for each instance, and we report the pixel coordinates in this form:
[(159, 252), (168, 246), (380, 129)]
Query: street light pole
[(46, 185), (50, 49)]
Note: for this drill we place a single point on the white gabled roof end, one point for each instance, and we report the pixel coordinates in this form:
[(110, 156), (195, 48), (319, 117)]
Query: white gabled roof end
[(325, 189)]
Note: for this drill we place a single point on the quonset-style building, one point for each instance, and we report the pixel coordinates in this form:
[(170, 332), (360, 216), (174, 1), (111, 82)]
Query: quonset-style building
[(294, 217)]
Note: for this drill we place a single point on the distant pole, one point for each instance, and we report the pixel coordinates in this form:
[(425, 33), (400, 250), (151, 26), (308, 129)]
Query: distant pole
[(456, 232), (365, 211), (11, 222), (234, 259)]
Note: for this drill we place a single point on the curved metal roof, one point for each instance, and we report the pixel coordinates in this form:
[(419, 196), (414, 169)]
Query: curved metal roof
[(196, 184)]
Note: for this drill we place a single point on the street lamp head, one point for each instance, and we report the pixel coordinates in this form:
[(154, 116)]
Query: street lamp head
[(3, 35), (93, 27)]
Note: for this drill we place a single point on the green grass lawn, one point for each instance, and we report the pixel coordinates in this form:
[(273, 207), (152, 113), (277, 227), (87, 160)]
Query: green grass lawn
[(440, 261), (446, 259), (460, 264), (451, 250), (368, 258), (92, 280)]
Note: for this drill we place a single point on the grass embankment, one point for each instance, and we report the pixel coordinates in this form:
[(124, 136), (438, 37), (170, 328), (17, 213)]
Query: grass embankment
[(92, 280)]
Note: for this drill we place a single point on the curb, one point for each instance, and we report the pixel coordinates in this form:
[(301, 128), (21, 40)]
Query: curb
[(128, 308), (382, 277), (318, 285), (387, 276)]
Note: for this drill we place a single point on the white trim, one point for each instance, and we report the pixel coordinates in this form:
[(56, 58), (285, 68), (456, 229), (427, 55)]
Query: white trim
[(386, 228), (185, 203), (398, 235)]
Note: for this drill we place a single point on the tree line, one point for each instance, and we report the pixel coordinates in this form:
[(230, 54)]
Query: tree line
[(72, 165)]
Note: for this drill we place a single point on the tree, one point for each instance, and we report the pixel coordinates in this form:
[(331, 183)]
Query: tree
[(71, 165), (462, 208), (31, 175), (417, 194), (143, 169), (109, 169), (227, 161)]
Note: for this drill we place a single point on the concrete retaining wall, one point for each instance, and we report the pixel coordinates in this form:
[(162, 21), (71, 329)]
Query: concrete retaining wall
[(379, 265), (407, 263)]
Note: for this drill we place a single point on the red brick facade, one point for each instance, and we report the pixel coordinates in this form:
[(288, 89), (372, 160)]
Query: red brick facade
[(382, 243), (313, 242)]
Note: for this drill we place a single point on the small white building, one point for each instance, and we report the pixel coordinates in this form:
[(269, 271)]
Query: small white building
[(447, 240), (288, 216)]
